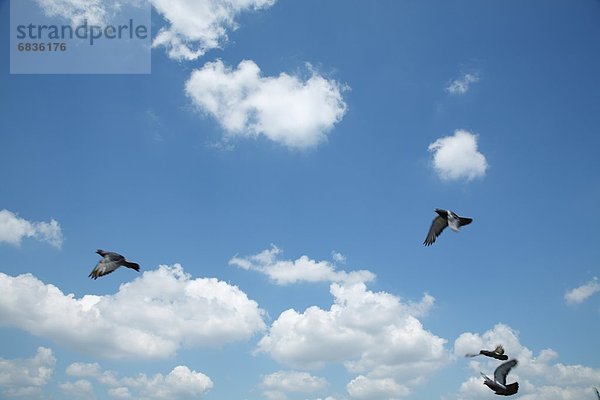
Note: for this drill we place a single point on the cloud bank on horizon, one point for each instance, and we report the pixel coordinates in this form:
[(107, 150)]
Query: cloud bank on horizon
[(375, 336), (136, 322)]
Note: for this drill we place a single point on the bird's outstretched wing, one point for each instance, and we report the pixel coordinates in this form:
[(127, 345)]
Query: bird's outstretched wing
[(597, 393), (104, 267), (489, 354), (437, 226), (503, 370)]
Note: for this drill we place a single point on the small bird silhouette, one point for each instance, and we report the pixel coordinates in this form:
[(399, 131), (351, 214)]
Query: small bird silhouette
[(498, 385), (497, 353), (109, 262), (444, 218)]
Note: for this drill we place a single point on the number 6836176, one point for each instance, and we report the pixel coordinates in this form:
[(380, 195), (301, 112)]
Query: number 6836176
[(42, 46)]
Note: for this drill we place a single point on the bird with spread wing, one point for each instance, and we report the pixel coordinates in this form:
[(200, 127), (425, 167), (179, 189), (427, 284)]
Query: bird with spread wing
[(110, 261), (498, 385), (444, 218), (497, 353)]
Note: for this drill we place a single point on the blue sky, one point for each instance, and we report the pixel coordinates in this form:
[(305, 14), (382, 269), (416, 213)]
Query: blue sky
[(275, 176)]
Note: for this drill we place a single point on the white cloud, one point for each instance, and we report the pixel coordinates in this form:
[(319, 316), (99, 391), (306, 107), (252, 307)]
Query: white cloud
[(362, 387), (462, 84), (304, 269), (539, 377), (80, 389), (198, 26), (13, 229), (474, 389), (372, 334), (338, 257), (456, 157), (150, 317), (277, 384), (583, 292), (25, 377), (286, 109), (84, 369), (180, 383), (96, 12), (92, 370)]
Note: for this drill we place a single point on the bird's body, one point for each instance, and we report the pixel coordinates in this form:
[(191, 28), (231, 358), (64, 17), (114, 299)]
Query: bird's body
[(110, 261), (498, 385), (444, 218), (497, 353), (493, 355)]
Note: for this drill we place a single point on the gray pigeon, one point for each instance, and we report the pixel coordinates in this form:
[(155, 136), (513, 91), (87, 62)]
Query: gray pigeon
[(497, 353), (444, 218), (498, 385), (110, 261)]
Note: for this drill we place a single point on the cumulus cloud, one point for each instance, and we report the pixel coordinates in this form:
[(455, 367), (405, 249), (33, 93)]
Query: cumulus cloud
[(338, 257), (277, 384), (192, 27), (198, 26), (539, 377), (372, 334), (462, 84), (150, 317), (96, 12), (13, 229), (180, 383), (456, 157), (25, 377), (286, 109), (583, 292), (362, 387), (80, 389), (304, 269)]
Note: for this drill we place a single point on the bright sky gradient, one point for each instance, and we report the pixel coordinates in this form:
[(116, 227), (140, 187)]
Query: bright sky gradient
[(275, 177)]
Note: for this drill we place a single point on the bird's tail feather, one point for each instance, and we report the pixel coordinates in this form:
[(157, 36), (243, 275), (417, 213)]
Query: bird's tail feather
[(132, 265), (511, 389), (465, 221)]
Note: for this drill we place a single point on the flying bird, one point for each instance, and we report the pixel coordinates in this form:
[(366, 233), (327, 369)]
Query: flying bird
[(109, 262), (497, 353), (444, 218), (498, 385)]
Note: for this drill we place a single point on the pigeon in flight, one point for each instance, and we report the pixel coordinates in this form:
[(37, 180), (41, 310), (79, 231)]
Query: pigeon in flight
[(498, 385), (444, 218), (498, 353), (110, 261)]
